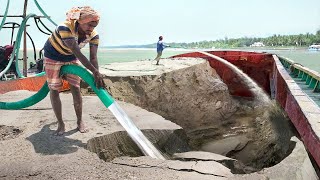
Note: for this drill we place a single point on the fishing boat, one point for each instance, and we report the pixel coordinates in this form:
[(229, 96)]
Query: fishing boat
[(314, 47)]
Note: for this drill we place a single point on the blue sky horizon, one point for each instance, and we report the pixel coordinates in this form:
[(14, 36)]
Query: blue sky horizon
[(139, 22)]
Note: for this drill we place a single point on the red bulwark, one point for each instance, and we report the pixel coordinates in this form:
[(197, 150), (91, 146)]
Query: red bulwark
[(30, 84)]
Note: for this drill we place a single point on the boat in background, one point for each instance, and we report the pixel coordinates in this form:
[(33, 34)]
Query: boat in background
[(314, 47)]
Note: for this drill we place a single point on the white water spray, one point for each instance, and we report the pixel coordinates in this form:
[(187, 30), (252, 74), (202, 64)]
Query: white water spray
[(259, 94), (136, 135)]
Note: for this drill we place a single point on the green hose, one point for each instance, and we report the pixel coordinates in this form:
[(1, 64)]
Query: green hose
[(17, 47), (104, 96), (5, 15), (41, 94), (18, 38), (45, 14)]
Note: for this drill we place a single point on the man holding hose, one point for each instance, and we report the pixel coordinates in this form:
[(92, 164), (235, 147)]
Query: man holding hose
[(63, 48)]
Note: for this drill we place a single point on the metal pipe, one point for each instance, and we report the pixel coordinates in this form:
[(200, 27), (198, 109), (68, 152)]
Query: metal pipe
[(12, 16), (12, 33), (22, 16), (25, 60)]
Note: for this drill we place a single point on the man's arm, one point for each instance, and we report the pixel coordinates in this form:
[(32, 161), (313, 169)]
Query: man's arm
[(73, 45), (93, 56), (165, 45)]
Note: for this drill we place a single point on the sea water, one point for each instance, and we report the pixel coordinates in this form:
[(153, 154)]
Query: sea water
[(107, 55), (259, 94)]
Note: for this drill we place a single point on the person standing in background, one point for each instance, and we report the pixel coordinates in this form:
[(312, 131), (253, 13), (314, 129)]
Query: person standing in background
[(160, 48)]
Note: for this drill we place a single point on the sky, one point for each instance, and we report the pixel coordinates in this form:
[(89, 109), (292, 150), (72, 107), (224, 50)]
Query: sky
[(136, 22)]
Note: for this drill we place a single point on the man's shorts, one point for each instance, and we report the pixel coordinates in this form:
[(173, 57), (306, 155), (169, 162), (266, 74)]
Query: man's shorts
[(52, 69)]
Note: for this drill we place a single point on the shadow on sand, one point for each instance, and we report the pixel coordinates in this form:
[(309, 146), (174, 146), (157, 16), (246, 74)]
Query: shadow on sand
[(46, 143)]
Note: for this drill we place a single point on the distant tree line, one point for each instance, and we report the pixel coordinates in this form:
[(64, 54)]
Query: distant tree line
[(300, 40)]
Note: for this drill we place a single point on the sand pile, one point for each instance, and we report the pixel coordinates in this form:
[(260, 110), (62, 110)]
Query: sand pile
[(185, 90)]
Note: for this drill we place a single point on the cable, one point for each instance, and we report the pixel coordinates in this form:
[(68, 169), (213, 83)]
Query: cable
[(35, 20), (45, 26), (34, 47)]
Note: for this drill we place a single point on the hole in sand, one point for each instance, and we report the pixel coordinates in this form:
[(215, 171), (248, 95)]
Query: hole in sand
[(250, 149), (120, 144)]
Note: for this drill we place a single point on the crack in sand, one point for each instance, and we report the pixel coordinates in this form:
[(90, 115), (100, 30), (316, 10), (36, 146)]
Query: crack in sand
[(166, 167)]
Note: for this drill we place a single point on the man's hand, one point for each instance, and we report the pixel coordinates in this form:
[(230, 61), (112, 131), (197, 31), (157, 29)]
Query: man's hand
[(98, 80)]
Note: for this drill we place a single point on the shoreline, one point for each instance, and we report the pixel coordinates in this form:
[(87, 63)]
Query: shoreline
[(195, 49)]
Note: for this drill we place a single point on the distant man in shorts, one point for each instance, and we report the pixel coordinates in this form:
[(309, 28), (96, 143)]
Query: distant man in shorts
[(160, 48)]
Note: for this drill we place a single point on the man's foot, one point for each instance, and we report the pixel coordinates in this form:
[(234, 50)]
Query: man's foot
[(61, 129), (81, 127)]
